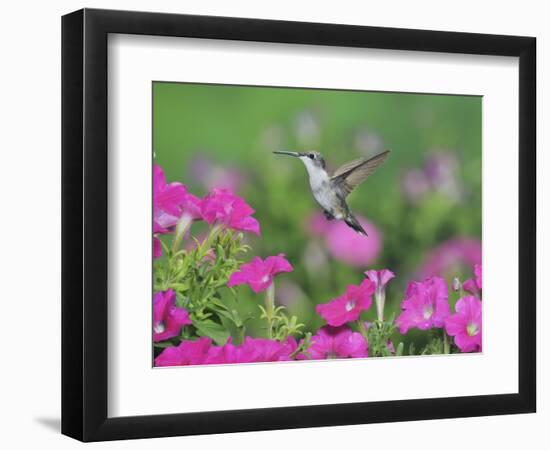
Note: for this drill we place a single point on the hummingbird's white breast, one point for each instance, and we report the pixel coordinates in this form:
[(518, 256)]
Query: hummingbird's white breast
[(321, 187)]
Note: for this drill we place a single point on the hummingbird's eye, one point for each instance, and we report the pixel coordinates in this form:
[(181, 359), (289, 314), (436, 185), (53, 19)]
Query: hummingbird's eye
[(311, 156)]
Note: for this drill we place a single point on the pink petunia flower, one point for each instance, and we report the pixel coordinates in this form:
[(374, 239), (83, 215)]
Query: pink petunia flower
[(222, 206), (346, 245), (168, 319), (270, 350), (465, 325), (425, 305), (188, 353), (348, 307), (258, 274), (252, 350), (380, 278), (172, 201), (474, 285), (330, 342)]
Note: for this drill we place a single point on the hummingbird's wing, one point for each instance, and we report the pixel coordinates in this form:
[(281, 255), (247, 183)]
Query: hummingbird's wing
[(353, 173)]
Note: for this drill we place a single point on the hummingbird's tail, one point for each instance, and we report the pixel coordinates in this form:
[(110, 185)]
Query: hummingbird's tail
[(353, 223)]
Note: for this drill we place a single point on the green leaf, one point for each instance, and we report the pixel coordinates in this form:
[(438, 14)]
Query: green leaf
[(264, 312), (213, 330), (181, 300), (224, 313), (164, 344), (180, 286), (399, 349), (219, 303)]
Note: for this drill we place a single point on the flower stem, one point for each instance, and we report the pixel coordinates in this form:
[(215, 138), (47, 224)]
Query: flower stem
[(242, 332), (446, 343), (270, 309), (214, 232), (181, 228), (362, 328)]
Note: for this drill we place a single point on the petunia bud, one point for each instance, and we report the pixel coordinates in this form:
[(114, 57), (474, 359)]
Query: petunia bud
[(380, 278)]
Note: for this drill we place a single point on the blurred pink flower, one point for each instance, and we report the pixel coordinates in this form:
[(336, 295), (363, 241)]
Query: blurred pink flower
[(447, 257), (346, 245), (380, 278), (258, 274), (414, 184), (272, 138), (330, 342), (367, 142), (288, 293), (317, 224), (251, 350), (171, 201), (348, 307), (188, 353), (441, 168), (474, 285), (315, 258), (425, 305), (222, 206), (465, 325), (168, 319), (439, 174), (210, 175), (307, 129)]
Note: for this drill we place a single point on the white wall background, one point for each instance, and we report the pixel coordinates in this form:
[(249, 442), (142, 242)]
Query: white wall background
[(30, 238)]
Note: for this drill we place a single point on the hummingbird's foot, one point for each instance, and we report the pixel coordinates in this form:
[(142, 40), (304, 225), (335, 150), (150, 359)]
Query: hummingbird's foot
[(328, 215)]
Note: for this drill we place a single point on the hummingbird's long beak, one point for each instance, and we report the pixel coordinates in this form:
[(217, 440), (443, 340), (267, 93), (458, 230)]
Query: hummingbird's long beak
[(295, 154)]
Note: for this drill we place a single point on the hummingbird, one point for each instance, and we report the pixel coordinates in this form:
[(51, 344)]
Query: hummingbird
[(331, 189)]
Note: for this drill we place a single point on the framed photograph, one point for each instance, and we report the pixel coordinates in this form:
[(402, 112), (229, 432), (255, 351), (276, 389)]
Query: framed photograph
[(273, 224)]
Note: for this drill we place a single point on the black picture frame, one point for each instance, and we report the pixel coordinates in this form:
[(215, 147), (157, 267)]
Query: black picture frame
[(84, 224)]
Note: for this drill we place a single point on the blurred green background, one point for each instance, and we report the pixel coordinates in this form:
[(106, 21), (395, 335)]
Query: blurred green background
[(423, 203)]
